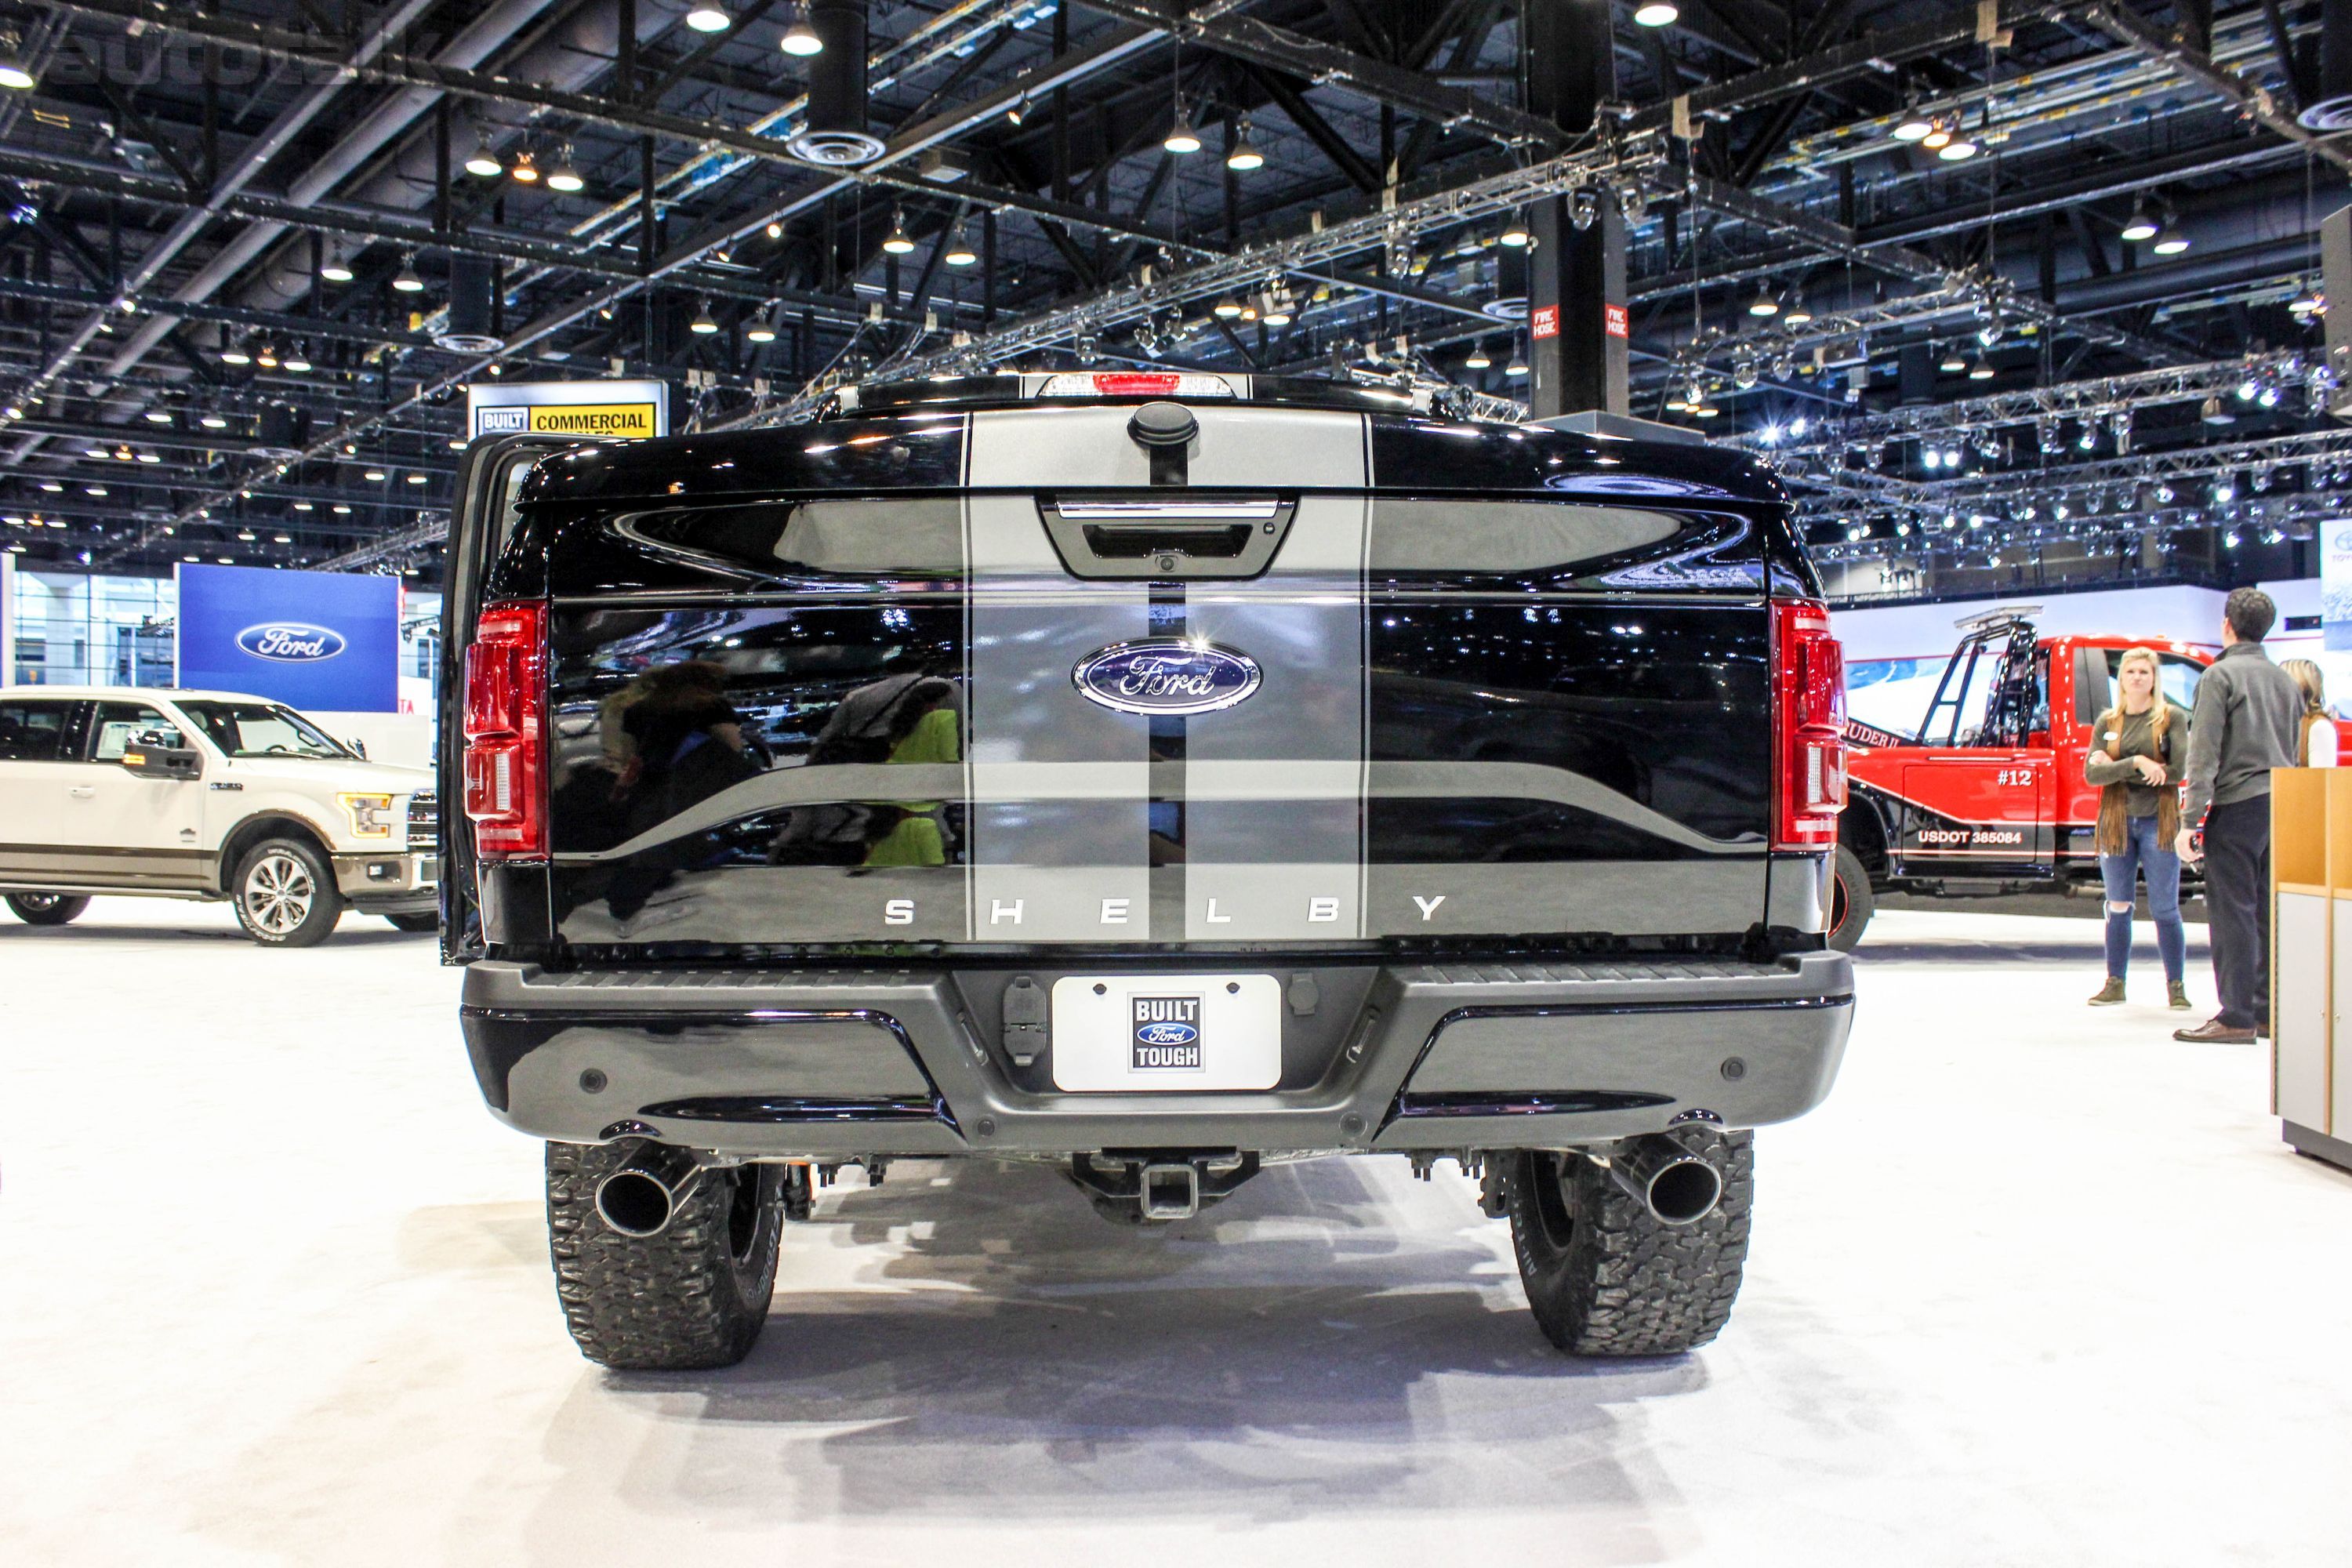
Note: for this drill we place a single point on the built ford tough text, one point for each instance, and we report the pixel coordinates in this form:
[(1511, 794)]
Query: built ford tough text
[(1158, 776)]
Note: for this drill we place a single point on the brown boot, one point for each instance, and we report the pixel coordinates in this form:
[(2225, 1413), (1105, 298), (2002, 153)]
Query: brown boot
[(2110, 994), (2177, 990), (2215, 1032)]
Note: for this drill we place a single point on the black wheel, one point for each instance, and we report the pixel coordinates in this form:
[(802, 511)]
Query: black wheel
[(47, 909), (1602, 1277), (431, 921), (1851, 899), (285, 894), (694, 1295)]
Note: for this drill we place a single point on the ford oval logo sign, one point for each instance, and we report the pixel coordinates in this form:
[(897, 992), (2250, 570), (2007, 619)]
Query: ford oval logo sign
[(290, 642), (1166, 675), (1167, 1034)]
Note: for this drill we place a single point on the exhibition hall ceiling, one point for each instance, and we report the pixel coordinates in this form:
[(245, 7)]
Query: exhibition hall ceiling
[(1975, 278)]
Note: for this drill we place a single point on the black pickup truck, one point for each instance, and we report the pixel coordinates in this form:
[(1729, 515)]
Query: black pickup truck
[(1156, 776)]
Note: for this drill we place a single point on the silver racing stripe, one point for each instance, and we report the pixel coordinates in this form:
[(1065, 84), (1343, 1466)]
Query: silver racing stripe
[(1270, 861), (1041, 866)]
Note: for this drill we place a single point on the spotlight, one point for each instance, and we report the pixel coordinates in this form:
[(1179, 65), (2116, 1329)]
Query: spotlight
[(1655, 13), (1765, 302), (761, 331), (564, 177), (14, 75), (1796, 314), (2170, 240), (1227, 309), (801, 40), (1583, 206), (1953, 364), (234, 356), (335, 272), (526, 170), (896, 242), (959, 252), (1959, 148), (406, 281), (1245, 155), (703, 323), (1913, 126), (1181, 137), (2139, 227), (706, 18), (1981, 370), (1939, 137), (1476, 359), (485, 162), (1515, 235), (1517, 369)]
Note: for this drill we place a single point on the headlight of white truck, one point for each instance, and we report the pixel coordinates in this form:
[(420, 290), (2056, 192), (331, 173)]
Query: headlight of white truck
[(370, 814)]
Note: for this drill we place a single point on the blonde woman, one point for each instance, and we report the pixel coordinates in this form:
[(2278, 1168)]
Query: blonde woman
[(2315, 742), (2135, 757)]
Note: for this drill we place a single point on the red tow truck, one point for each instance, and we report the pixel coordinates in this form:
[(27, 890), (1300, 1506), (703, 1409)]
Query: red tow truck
[(1986, 795)]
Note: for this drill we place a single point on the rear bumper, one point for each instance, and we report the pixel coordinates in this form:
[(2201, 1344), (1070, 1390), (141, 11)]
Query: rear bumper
[(891, 1061)]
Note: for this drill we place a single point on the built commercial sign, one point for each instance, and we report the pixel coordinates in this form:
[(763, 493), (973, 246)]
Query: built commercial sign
[(325, 641), (588, 410)]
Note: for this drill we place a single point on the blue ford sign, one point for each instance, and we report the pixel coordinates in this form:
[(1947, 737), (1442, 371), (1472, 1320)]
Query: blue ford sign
[(1167, 1034), (322, 641), (290, 642), (1166, 675)]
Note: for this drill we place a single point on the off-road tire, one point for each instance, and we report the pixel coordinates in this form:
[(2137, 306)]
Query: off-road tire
[(693, 1297), (430, 921), (1604, 1278), (285, 894), (47, 909), (1851, 899)]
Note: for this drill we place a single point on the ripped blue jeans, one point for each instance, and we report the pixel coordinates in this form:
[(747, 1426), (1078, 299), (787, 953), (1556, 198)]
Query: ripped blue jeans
[(2143, 854)]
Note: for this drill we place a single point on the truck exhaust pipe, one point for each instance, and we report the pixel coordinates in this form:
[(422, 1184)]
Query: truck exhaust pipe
[(1677, 1186), (640, 1196)]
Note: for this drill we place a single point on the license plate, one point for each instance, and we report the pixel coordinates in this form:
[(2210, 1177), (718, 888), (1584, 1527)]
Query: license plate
[(1158, 1034)]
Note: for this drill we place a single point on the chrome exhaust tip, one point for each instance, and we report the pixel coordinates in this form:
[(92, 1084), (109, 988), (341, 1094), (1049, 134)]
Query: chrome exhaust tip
[(640, 1196), (1677, 1186)]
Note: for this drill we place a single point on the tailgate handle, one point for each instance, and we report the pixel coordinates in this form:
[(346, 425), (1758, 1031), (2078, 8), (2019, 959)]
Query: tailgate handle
[(1142, 538)]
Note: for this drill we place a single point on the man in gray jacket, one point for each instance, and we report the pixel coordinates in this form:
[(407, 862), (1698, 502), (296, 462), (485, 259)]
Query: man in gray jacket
[(2244, 726)]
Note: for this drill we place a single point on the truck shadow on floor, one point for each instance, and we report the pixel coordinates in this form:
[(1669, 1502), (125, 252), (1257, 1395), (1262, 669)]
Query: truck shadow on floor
[(2084, 954), (1282, 1349), (357, 935)]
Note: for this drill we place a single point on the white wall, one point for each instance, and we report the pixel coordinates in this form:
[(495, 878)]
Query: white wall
[(2188, 615), (405, 737)]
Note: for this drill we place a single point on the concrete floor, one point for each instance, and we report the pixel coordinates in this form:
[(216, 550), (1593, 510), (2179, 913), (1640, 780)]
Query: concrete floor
[(2038, 1286)]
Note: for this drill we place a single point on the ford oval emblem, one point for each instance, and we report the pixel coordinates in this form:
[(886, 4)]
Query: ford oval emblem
[(290, 642), (1167, 1034), (1166, 675)]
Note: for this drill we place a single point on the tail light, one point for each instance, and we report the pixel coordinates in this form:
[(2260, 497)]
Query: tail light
[(506, 731), (1808, 726)]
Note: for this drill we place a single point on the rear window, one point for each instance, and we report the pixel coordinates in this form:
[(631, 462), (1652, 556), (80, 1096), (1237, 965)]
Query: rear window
[(33, 732)]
